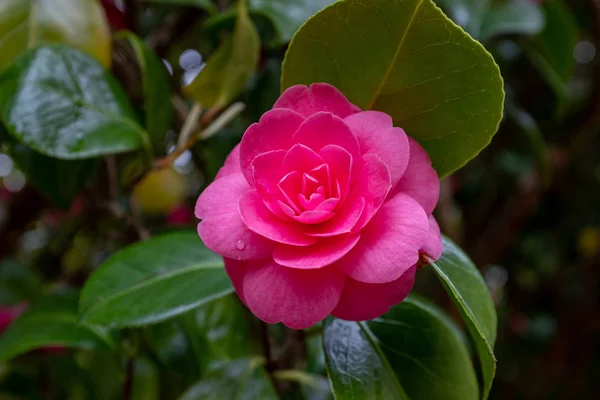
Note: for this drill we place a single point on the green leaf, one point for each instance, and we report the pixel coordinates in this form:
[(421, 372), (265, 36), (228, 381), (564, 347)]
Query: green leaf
[(468, 290), (152, 281), (62, 103), (521, 17), (405, 58), (156, 87), (18, 283), (287, 15), (229, 68), (59, 180), (52, 321), (412, 352), (80, 23), (242, 379)]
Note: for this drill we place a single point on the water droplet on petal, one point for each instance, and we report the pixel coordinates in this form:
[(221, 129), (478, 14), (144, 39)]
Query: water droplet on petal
[(240, 244)]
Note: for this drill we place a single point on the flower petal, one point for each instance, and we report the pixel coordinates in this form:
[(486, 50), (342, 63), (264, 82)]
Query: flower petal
[(376, 135), (301, 158), (318, 97), (274, 131), (236, 271), (267, 172), (326, 251), (342, 222), (373, 183), (259, 219), (232, 164), (364, 301), (298, 298), (390, 243), (433, 246), (222, 229), (340, 165), (420, 181), (322, 129)]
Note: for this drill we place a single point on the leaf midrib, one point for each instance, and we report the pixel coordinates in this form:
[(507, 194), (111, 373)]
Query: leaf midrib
[(387, 73), (156, 279)]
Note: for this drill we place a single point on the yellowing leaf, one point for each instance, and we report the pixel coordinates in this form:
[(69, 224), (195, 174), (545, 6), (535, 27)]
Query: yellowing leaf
[(230, 67), (79, 23)]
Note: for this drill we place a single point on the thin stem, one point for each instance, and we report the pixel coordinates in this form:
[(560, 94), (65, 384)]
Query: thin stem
[(128, 384), (191, 121), (296, 375), (266, 343)]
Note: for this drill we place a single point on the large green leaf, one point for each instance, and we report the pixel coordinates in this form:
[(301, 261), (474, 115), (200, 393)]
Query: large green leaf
[(152, 281), (59, 180), (62, 103), (468, 290), (412, 352), (242, 379), (156, 87), (52, 321), (408, 59), (27, 23), (287, 15), (229, 68)]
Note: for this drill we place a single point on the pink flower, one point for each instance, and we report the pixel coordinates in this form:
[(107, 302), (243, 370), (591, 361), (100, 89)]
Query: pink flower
[(322, 209)]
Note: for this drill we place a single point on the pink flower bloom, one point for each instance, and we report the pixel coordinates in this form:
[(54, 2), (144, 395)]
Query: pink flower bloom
[(322, 209)]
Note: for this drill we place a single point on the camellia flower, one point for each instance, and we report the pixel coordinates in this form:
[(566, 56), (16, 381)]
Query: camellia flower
[(322, 209)]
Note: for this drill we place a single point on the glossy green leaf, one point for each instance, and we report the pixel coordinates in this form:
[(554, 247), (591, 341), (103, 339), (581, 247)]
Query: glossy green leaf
[(62, 103), (230, 66), (412, 352), (228, 329), (521, 17), (287, 15), (152, 281), (52, 321), (405, 58), (242, 379), (468, 290), (59, 180), (156, 87), (80, 23)]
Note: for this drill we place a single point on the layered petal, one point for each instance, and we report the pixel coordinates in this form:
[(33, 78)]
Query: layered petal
[(259, 219), (364, 301), (342, 222), (420, 181), (322, 129), (376, 135), (267, 172), (373, 183), (222, 229), (326, 251), (231, 165), (318, 97), (274, 131), (297, 298), (390, 243), (433, 246)]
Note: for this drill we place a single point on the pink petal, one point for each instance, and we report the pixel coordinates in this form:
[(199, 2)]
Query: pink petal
[(232, 164), (420, 181), (326, 251), (364, 301), (266, 172), (259, 219), (313, 217), (433, 246), (373, 183), (343, 222), (301, 158), (390, 243), (376, 134), (340, 164), (236, 271), (222, 229), (318, 97), (298, 298), (322, 129), (274, 131)]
